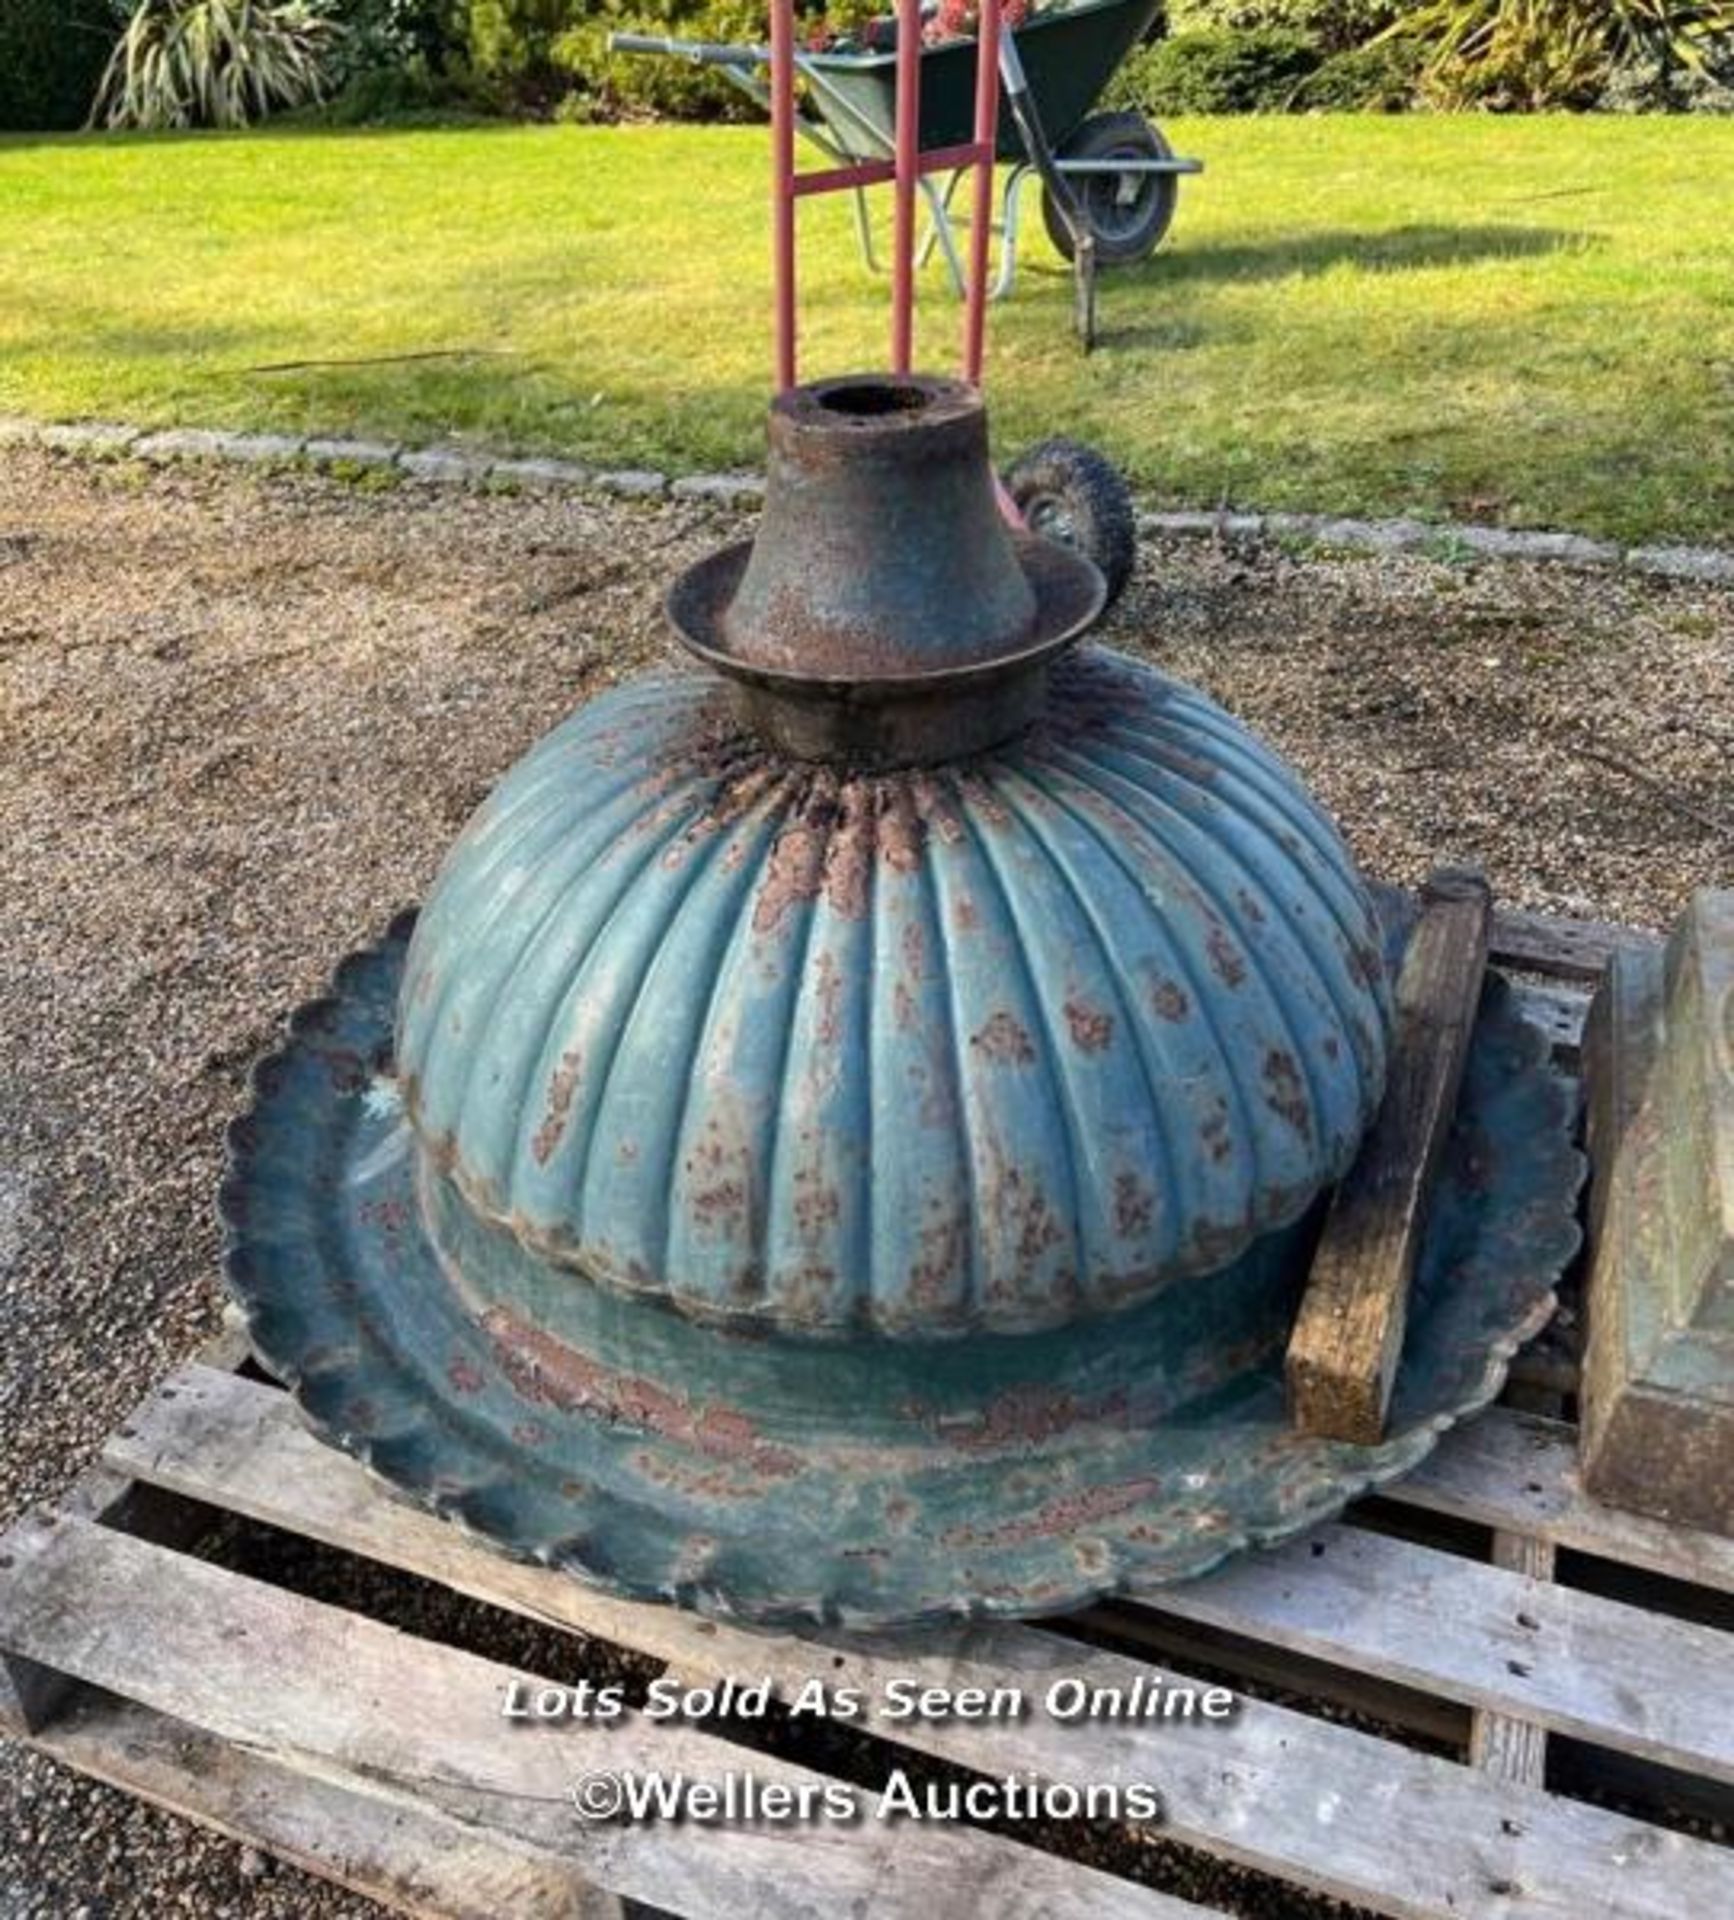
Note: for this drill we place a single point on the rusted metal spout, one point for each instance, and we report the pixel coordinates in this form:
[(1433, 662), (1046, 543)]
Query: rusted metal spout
[(886, 614)]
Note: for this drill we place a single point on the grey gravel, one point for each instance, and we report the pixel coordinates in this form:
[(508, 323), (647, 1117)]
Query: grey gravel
[(727, 489), (244, 713)]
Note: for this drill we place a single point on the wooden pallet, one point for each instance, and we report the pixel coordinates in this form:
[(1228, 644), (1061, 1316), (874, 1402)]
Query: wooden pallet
[(1509, 1653)]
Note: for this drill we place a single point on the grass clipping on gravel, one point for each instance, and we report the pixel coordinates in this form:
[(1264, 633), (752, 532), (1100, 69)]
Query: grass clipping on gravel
[(1504, 319)]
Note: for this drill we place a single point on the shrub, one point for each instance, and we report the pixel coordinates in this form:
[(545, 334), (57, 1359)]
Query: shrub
[(510, 43), (214, 63), (638, 87), (1644, 87), (551, 56), (411, 40), (1382, 78), (1221, 71), (408, 95), (52, 53), (1334, 25), (1538, 54)]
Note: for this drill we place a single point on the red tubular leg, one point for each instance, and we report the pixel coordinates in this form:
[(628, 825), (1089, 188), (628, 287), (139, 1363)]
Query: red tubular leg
[(908, 171), (981, 231), (783, 185)]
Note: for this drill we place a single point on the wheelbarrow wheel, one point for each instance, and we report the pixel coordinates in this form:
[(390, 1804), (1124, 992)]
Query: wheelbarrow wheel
[(1129, 213), (1070, 493)]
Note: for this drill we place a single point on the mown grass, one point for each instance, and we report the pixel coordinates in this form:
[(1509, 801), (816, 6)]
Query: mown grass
[(1523, 320)]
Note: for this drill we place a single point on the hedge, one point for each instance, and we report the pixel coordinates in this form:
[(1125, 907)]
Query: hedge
[(52, 53)]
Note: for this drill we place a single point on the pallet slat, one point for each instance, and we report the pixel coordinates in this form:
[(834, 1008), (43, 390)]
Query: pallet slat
[(1562, 949), (1559, 1011), (1332, 1808), (403, 1856), (1602, 1671), (1503, 1744), (1347, 1337), (343, 1698), (1596, 1668), (1517, 1473)]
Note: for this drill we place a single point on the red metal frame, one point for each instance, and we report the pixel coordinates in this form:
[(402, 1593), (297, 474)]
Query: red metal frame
[(903, 172)]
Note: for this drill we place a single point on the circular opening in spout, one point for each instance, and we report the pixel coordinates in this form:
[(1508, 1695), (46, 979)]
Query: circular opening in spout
[(873, 399)]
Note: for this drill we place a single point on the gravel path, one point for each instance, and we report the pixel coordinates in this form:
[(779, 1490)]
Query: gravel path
[(242, 716)]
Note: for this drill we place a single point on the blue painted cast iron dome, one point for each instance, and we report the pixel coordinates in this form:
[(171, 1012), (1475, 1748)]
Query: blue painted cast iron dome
[(836, 1143), (998, 1044)]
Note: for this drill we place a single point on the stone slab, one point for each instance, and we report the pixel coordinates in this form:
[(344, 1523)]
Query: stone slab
[(536, 473), (1658, 1391), (87, 436), (444, 466), (353, 453)]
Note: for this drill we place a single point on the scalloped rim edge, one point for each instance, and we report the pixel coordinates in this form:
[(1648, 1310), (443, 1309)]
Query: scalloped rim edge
[(1389, 1461)]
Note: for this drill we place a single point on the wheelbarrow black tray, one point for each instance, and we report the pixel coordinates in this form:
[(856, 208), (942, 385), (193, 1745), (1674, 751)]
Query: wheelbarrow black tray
[(1069, 56)]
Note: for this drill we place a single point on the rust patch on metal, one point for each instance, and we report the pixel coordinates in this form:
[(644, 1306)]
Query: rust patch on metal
[(1061, 1516), (1004, 1041), (1134, 1205), (1170, 1001), (1091, 1028), (913, 940), (548, 1372), (828, 991), (986, 801), (808, 1293), (941, 1256), (937, 809), (1214, 1133), (817, 1206), (1227, 962), (720, 1168), (1023, 1221), (848, 879), (795, 872), (561, 1089), (1021, 1417), (827, 846), (697, 1482), (1250, 907), (1285, 1094), (901, 836), (465, 1376)]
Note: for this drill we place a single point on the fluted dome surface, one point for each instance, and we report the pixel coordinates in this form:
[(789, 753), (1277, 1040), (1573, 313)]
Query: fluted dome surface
[(997, 1044)]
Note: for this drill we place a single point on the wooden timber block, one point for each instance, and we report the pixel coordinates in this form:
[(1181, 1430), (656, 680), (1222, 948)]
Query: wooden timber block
[(1348, 1335), (1658, 1389)]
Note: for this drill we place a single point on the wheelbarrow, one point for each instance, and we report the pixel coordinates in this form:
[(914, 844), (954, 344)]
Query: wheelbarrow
[(1110, 181)]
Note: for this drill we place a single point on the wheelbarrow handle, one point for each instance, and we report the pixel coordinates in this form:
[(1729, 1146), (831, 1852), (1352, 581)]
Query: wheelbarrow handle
[(704, 53)]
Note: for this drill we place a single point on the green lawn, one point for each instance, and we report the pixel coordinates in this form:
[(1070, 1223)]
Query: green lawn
[(1520, 320)]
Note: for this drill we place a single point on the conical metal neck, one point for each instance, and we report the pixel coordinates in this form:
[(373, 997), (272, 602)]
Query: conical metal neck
[(886, 613)]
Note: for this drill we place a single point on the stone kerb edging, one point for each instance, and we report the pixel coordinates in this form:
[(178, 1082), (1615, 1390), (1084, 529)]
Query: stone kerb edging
[(453, 466)]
